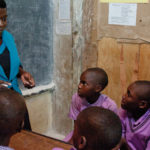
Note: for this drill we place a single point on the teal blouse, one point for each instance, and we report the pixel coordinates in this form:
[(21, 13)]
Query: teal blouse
[(8, 41)]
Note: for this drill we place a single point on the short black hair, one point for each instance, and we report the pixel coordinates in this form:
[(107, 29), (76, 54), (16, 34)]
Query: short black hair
[(12, 111), (101, 128), (2, 4), (102, 77), (144, 90)]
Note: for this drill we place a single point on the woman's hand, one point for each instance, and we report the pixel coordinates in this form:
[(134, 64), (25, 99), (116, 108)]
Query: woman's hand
[(26, 78), (4, 83)]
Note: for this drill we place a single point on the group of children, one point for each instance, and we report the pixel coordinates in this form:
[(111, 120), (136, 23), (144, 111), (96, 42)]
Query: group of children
[(134, 112), (92, 130), (99, 124)]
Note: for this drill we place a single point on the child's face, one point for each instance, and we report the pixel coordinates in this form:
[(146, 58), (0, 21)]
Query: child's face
[(130, 101), (3, 20), (87, 85)]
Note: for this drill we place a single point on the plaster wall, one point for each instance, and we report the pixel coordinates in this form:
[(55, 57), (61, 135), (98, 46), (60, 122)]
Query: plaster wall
[(78, 41), (40, 111), (49, 110), (62, 78)]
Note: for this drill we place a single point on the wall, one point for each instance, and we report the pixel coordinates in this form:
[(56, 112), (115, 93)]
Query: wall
[(62, 78), (125, 60), (49, 110), (39, 108), (52, 106), (84, 38)]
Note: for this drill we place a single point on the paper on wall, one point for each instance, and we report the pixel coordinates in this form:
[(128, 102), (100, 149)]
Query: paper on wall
[(122, 14), (124, 1)]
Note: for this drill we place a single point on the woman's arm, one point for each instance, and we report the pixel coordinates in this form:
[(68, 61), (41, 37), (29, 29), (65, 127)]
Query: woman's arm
[(26, 78)]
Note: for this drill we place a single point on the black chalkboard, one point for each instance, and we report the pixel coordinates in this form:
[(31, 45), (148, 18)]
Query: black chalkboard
[(30, 22)]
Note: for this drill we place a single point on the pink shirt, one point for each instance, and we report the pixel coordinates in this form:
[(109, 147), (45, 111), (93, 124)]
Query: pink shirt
[(5, 148), (78, 104), (136, 133)]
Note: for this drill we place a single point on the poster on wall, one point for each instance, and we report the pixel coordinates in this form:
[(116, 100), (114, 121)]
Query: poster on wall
[(124, 1), (122, 14)]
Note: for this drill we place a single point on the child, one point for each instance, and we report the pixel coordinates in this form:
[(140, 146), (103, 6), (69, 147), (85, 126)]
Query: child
[(96, 129), (135, 115), (92, 82), (12, 111), (10, 65)]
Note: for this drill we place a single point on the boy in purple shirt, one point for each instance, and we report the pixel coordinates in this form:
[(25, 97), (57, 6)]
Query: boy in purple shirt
[(92, 82), (96, 129), (135, 115)]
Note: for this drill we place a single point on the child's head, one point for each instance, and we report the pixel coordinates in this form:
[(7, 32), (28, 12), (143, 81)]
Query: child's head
[(12, 111), (3, 16), (137, 97), (92, 81), (97, 128)]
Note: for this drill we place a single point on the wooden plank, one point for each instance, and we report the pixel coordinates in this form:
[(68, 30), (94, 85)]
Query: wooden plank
[(131, 58), (89, 52), (144, 67), (31, 141), (108, 59), (120, 72)]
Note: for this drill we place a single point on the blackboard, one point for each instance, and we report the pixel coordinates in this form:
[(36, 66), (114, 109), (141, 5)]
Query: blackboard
[(31, 24)]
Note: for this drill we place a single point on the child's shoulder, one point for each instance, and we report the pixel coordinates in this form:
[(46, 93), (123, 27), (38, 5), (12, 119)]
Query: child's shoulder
[(104, 96), (76, 98), (106, 99), (122, 113), (75, 95), (108, 103)]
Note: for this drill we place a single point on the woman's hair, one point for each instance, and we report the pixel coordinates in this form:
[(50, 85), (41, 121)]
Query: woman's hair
[(2, 4)]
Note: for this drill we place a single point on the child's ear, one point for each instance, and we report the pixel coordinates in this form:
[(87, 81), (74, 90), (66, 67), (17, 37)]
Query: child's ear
[(98, 88), (143, 104), (82, 142)]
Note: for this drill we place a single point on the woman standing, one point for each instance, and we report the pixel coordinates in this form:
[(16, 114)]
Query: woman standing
[(10, 65)]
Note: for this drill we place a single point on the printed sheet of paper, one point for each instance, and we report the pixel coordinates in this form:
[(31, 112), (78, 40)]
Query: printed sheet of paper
[(64, 9), (122, 14), (124, 1)]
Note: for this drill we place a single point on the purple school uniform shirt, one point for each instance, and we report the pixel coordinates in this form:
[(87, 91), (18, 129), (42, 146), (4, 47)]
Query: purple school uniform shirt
[(136, 133), (78, 104), (5, 148)]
